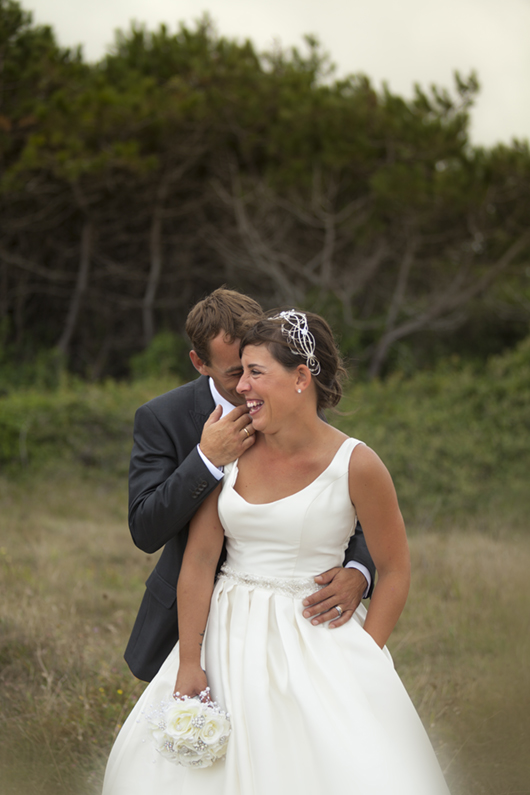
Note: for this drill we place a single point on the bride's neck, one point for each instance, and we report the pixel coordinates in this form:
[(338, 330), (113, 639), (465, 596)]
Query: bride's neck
[(294, 438)]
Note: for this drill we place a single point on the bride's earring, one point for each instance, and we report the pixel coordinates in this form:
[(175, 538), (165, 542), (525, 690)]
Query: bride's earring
[(299, 391)]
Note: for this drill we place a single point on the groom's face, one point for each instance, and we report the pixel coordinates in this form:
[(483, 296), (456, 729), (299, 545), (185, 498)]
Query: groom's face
[(224, 367)]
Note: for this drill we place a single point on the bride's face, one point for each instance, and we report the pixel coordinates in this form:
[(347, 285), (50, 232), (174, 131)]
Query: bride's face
[(269, 389)]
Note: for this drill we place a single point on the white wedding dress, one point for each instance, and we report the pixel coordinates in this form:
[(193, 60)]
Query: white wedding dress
[(313, 710)]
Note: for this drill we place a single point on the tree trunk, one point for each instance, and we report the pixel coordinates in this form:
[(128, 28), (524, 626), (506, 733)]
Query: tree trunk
[(21, 294), (80, 288), (148, 304), (4, 300), (384, 344), (457, 295)]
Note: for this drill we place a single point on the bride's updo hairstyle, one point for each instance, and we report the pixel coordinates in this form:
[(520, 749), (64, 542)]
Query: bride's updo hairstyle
[(325, 358)]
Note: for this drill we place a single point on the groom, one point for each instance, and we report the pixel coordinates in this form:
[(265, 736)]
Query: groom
[(182, 441)]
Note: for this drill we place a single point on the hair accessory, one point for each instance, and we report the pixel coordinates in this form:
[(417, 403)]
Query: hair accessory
[(301, 341)]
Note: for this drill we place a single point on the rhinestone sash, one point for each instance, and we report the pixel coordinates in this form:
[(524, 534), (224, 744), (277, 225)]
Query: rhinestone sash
[(296, 587)]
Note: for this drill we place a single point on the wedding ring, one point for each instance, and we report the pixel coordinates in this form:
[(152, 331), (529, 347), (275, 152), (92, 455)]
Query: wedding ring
[(247, 432), (338, 608)]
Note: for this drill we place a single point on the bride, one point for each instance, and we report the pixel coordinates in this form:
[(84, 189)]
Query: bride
[(312, 708)]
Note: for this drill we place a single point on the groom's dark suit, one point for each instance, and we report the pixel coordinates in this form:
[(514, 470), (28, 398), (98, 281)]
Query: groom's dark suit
[(168, 480)]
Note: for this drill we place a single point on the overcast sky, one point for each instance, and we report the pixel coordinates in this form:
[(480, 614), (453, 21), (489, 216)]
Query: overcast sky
[(400, 41)]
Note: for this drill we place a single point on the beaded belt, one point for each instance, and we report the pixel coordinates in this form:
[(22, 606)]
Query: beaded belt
[(297, 587)]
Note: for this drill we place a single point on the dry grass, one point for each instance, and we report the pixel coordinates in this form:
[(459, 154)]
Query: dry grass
[(71, 582), (463, 649)]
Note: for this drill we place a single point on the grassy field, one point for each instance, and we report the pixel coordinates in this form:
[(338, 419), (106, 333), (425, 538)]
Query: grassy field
[(456, 443), (71, 581)]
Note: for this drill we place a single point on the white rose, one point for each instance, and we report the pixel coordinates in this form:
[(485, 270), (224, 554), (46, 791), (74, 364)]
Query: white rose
[(188, 743), (215, 726), (179, 719), (219, 750), (196, 760)]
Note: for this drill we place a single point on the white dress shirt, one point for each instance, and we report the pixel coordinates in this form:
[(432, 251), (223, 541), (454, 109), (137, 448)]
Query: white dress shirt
[(217, 472)]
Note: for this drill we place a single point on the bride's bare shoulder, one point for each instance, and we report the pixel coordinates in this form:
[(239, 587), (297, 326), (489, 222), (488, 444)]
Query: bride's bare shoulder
[(366, 466)]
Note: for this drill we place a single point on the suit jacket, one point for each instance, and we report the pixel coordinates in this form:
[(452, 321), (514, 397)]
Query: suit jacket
[(167, 482)]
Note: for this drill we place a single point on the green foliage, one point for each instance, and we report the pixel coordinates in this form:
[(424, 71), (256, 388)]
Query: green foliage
[(33, 62), (455, 440), (196, 160), (167, 355), (42, 369), (85, 424)]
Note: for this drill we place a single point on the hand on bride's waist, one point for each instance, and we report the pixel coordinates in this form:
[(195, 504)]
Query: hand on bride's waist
[(340, 594)]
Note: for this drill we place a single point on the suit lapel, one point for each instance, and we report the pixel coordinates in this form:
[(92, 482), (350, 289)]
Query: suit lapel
[(204, 403)]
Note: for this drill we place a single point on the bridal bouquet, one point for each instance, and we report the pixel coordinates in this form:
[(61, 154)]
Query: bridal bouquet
[(190, 731)]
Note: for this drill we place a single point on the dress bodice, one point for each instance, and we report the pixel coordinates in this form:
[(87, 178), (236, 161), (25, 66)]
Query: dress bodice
[(297, 536)]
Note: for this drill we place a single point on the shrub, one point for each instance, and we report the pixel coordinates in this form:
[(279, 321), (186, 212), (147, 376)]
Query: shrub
[(87, 424), (167, 355), (454, 439)]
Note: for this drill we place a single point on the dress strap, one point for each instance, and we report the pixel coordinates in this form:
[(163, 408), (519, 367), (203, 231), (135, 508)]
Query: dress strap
[(343, 454), (230, 472)]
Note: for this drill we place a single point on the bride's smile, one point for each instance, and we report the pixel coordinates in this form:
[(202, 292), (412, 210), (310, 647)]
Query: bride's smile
[(254, 406)]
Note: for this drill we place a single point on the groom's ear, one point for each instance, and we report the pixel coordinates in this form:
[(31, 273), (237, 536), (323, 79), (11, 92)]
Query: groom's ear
[(198, 363)]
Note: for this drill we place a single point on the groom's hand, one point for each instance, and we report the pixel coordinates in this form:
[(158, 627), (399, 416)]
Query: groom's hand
[(224, 440), (342, 587)]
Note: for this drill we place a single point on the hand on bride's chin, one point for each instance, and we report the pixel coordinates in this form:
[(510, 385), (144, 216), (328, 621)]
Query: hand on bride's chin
[(191, 681)]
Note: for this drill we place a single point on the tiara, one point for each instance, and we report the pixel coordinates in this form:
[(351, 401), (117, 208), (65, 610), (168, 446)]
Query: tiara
[(301, 341)]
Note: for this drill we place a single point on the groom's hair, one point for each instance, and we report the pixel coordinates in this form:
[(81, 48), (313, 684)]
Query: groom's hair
[(223, 310)]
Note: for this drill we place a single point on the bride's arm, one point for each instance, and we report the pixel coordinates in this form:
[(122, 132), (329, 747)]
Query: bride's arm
[(373, 494), (194, 591)]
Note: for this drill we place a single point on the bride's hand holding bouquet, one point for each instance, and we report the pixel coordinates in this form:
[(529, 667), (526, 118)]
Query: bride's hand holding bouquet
[(191, 729), (191, 681)]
